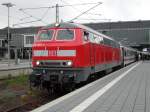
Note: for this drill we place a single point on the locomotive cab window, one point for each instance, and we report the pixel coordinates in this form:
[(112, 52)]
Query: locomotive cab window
[(66, 34), (45, 35)]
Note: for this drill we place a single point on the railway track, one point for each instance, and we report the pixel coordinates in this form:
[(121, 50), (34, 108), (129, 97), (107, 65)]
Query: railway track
[(33, 104), (21, 108)]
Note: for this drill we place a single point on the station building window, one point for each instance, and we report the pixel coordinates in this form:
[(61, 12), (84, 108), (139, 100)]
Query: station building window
[(28, 40)]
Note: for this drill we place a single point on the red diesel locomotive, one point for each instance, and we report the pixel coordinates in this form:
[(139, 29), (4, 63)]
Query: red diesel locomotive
[(67, 53)]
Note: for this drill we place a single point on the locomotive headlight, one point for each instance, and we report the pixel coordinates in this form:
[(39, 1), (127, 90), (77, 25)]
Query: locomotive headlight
[(37, 63), (57, 24), (69, 63)]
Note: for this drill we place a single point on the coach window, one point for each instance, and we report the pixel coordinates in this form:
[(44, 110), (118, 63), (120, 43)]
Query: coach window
[(45, 35), (66, 34)]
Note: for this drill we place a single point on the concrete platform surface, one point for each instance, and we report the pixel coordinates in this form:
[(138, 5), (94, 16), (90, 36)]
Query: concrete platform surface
[(24, 67), (126, 90)]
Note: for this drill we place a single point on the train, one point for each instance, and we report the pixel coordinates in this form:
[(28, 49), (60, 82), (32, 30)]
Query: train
[(66, 54)]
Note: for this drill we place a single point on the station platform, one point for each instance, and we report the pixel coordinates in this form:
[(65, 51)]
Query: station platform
[(14, 69), (125, 90)]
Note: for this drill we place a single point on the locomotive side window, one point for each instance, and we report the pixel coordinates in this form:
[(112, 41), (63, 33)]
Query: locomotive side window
[(45, 35), (101, 41), (65, 34), (91, 38), (96, 39), (107, 42), (86, 36)]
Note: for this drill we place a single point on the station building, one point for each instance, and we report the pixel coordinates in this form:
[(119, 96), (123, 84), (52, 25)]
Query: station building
[(21, 40), (135, 34)]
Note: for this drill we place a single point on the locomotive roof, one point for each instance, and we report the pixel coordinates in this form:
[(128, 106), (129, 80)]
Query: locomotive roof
[(75, 25)]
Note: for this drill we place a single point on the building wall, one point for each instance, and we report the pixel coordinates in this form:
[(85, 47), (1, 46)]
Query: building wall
[(17, 41)]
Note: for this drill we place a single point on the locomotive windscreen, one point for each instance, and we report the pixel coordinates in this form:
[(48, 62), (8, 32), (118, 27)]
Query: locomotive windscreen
[(45, 35), (65, 34)]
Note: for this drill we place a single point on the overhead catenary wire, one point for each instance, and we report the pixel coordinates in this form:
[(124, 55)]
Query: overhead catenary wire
[(36, 19), (93, 19), (43, 16), (73, 6), (23, 10), (59, 6), (25, 22), (11, 16), (86, 11), (93, 14), (25, 18), (69, 4), (82, 4), (31, 15)]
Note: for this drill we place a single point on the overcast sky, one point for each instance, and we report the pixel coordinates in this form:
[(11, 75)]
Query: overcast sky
[(114, 10)]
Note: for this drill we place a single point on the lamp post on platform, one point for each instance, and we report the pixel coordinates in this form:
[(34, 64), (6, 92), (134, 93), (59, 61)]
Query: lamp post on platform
[(8, 5)]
